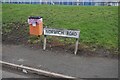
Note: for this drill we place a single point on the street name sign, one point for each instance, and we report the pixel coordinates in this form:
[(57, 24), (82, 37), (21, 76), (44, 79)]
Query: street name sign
[(62, 33)]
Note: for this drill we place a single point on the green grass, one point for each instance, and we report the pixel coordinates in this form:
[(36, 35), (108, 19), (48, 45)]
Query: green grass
[(98, 24)]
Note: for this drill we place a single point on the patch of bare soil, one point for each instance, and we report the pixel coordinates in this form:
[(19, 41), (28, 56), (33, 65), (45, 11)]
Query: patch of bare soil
[(18, 33), (83, 50), (15, 33)]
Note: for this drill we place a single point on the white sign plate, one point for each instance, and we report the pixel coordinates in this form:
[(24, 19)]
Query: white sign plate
[(61, 32)]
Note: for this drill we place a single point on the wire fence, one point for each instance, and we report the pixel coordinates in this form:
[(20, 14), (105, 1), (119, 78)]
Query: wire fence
[(66, 3)]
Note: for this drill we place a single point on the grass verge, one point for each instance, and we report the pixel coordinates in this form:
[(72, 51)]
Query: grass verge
[(98, 24)]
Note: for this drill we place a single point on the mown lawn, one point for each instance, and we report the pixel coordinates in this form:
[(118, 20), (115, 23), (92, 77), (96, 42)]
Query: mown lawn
[(98, 24)]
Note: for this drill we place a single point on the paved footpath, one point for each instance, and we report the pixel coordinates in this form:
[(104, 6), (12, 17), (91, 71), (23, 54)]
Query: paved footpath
[(59, 62)]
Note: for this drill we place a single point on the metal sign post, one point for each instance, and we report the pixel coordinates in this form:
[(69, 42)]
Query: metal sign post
[(44, 45), (62, 33), (76, 46)]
